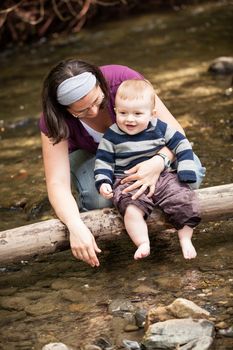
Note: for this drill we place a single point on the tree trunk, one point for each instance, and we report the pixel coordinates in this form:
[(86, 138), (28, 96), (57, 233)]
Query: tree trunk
[(25, 242)]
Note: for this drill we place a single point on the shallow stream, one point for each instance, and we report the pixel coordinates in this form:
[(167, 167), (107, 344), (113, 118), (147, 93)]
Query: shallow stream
[(56, 298)]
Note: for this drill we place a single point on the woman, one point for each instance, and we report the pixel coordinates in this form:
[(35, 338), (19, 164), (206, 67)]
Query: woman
[(78, 106)]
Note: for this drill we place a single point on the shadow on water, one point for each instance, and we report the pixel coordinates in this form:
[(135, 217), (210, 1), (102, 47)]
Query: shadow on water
[(56, 298)]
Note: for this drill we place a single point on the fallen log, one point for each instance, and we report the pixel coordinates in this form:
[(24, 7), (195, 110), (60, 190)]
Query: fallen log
[(25, 242)]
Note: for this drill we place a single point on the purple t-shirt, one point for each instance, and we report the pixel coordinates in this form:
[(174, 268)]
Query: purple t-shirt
[(78, 135)]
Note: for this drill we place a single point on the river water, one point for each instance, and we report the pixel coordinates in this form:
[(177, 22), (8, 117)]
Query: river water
[(56, 298)]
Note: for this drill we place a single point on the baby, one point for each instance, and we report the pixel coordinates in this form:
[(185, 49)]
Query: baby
[(137, 136)]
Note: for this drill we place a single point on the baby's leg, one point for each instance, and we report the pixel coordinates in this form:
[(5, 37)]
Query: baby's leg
[(137, 230), (185, 235)]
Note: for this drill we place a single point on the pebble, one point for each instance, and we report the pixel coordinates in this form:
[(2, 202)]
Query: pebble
[(221, 325), (131, 344), (226, 332), (130, 328), (91, 347), (56, 346)]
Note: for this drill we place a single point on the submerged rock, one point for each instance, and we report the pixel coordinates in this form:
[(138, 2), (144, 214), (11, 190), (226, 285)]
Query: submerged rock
[(119, 307), (222, 65)]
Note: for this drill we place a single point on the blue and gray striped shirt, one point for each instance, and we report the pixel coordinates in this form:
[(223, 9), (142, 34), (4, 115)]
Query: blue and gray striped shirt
[(119, 151)]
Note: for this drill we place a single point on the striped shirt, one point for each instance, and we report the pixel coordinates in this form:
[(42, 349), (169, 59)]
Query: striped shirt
[(119, 151)]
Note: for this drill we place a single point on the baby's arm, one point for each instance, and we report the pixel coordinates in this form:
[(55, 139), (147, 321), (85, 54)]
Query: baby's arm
[(106, 190)]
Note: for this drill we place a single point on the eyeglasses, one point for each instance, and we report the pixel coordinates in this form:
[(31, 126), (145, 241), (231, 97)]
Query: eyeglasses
[(98, 102)]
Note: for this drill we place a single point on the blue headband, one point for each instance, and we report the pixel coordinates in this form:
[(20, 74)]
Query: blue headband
[(74, 88)]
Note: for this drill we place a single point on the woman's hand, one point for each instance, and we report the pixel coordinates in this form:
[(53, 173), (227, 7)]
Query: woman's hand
[(83, 244), (145, 175)]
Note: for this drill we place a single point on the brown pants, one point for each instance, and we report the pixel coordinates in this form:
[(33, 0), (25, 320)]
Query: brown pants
[(176, 199)]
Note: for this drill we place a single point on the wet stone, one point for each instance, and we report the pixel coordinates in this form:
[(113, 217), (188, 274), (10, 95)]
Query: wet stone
[(221, 325), (130, 328), (230, 310), (11, 316), (226, 332), (145, 290), (129, 318), (14, 303), (173, 333), (41, 308), (8, 291), (71, 295), (140, 317), (131, 344), (91, 347), (182, 308), (62, 284), (119, 307), (82, 308), (43, 284), (34, 295), (169, 283), (103, 343), (204, 343)]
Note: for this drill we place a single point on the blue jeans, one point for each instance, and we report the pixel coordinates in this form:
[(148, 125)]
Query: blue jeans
[(82, 166), (82, 175)]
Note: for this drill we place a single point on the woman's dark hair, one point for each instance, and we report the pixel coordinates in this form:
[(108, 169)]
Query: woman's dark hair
[(54, 113)]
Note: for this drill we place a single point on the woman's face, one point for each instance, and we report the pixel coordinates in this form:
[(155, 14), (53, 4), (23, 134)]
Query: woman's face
[(89, 105)]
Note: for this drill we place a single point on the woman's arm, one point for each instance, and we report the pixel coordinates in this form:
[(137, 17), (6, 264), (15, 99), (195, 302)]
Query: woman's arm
[(163, 114), (57, 173)]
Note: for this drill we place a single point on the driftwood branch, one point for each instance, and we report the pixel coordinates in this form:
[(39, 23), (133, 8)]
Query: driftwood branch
[(25, 242)]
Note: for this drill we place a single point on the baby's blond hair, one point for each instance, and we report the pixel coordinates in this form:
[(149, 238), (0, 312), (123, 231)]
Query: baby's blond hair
[(134, 89)]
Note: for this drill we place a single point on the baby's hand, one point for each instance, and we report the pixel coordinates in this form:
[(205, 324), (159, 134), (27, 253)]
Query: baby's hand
[(106, 191)]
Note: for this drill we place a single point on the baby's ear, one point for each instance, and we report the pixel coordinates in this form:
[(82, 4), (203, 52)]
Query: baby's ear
[(154, 113)]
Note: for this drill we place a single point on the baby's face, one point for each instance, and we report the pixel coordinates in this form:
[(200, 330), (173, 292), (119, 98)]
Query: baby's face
[(134, 115)]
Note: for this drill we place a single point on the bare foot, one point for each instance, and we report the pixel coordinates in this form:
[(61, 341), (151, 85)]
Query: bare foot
[(188, 250), (142, 251)]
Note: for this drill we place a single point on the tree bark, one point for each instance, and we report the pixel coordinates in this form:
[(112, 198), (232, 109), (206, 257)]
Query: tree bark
[(25, 242)]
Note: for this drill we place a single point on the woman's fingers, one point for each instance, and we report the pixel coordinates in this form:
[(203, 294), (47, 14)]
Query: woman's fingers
[(133, 186), (87, 254), (97, 249), (151, 191), (130, 178), (141, 190), (132, 170), (90, 257)]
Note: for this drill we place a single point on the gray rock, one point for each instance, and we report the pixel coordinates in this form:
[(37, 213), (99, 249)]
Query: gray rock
[(222, 65), (203, 343), (131, 344), (104, 343), (177, 332), (140, 317), (226, 332), (119, 307)]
